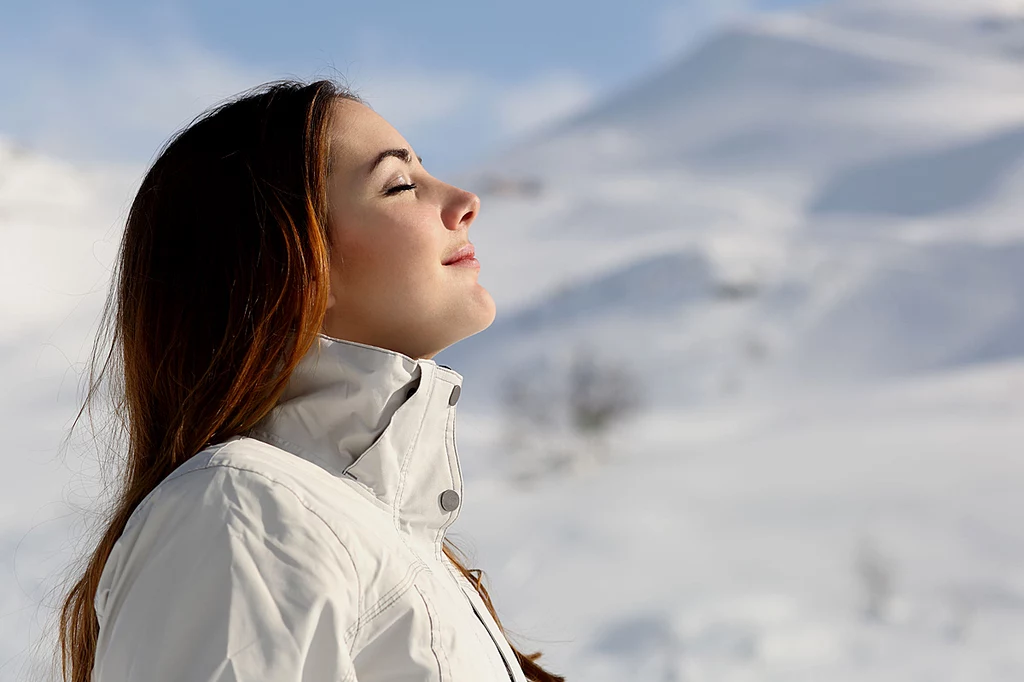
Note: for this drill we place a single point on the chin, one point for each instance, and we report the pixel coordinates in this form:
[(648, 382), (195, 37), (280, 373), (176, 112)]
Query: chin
[(477, 324), (468, 325), (488, 311)]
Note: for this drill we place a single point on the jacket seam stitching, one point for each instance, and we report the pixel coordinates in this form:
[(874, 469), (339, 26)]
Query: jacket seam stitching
[(210, 454), (435, 645), (382, 604)]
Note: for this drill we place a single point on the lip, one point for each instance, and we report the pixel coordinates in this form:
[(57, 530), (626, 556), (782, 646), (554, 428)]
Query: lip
[(466, 255)]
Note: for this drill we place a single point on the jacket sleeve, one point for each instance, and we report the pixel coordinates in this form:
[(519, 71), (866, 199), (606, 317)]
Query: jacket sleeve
[(223, 575)]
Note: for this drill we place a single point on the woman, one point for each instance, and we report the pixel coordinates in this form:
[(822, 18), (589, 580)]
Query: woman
[(287, 273)]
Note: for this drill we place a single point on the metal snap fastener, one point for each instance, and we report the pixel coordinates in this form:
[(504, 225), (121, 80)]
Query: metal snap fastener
[(449, 500), (454, 397)]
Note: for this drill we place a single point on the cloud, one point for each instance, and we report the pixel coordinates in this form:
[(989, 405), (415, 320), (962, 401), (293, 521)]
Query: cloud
[(392, 78), (678, 24), (414, 100), (452, 116), (87, 91), (82, 92), (550, 96)]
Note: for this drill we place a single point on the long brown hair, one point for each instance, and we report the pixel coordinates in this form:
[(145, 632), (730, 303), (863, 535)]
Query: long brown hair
[(219, 290)]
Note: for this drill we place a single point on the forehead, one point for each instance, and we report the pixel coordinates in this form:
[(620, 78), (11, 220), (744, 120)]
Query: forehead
[(358, 134)]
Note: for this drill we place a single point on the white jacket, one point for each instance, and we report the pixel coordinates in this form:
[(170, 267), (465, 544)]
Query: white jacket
[(309, 550)]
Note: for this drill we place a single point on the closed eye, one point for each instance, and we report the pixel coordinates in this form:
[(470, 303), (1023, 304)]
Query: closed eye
[(399, 188)]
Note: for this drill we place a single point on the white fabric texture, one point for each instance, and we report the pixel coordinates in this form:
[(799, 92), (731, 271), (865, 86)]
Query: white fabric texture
[(310, 548)]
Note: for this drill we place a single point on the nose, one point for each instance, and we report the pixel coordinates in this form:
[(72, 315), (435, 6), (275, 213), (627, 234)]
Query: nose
[(461, 209)]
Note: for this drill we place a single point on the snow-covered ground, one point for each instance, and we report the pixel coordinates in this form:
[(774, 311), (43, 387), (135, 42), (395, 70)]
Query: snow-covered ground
[(739, 541), (803, 241)]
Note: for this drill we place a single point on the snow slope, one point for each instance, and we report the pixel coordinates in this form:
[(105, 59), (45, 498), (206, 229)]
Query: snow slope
[(803, 241)]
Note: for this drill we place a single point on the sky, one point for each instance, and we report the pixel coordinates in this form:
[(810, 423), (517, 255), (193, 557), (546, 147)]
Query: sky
[(111, 81)]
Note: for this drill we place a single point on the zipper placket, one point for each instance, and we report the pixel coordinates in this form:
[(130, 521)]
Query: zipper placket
[(458, 585), (508, 668)]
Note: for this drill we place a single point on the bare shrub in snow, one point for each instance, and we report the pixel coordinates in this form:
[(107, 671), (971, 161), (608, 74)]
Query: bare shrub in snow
[(560, 418), (876, 573), (600, 394)]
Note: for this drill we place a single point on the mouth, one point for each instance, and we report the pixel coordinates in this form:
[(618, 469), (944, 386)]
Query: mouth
[(464, 257)]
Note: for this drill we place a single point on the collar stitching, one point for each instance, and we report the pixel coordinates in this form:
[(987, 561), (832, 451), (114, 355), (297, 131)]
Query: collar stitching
[(293, 449), (303, 453), (407, 458)]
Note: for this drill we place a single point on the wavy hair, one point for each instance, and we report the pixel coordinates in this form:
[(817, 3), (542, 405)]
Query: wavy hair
[(219, 289)]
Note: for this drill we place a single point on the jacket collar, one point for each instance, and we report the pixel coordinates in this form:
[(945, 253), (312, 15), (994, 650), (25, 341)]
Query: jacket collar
[(380, 419)]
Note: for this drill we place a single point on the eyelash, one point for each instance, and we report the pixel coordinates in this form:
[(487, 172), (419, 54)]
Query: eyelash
[(400, 188)]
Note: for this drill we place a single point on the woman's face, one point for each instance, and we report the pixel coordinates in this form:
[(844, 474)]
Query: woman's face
[(389, 285)]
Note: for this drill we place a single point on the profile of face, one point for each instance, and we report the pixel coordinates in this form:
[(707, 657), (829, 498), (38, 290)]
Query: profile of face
[(393, 229)]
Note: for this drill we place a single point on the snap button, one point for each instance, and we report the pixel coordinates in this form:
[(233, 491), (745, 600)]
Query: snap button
[(449, 500), (454, 397)]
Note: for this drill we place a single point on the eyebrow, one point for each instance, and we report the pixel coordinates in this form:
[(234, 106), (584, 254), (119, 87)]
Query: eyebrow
[(400, 153)]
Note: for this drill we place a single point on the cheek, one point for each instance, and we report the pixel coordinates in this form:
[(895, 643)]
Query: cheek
[(390, 262)]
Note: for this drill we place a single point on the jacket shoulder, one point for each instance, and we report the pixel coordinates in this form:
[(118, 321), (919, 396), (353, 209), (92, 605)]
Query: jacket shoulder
[(224, 569), (353, 524), (237, 487), (260, 481)]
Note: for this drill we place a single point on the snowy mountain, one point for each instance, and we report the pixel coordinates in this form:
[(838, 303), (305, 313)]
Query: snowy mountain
[(823, 159), (803, 239)]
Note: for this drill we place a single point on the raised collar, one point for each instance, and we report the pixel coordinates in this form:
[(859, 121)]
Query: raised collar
[(381, 419)]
